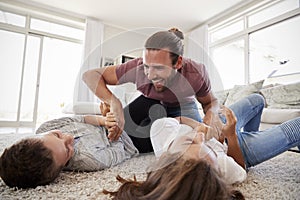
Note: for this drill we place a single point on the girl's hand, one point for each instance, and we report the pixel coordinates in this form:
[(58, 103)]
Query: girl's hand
[(202, 128), (229, 128)]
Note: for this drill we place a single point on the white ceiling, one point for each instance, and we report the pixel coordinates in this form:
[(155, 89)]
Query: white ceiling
[(132, 14)]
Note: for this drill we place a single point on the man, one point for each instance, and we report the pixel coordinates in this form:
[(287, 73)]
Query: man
[(168, 82)]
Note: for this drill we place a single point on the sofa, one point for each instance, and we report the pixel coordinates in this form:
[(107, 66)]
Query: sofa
[(282, 101)]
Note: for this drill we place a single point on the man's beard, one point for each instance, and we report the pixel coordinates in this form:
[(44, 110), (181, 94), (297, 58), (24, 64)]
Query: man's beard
[(162, 84)]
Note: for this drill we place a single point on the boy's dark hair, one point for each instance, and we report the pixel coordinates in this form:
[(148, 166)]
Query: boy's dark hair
[(27, 164)]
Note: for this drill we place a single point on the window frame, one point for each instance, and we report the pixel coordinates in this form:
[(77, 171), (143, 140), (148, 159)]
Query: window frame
[(45, 15), (244, 14)]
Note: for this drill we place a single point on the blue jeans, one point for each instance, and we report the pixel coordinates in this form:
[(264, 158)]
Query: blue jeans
[(259, 146), (188, 110), (248, 112)]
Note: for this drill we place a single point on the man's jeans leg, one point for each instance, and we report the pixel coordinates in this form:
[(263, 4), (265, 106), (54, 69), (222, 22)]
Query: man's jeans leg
[(187, 110)]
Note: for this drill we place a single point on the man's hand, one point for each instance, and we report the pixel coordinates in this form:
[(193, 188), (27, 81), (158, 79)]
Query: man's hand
[(111, 125), (215, 126), (117, 110)]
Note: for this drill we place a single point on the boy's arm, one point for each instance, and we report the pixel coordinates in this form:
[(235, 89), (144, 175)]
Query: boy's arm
[(95, 120)]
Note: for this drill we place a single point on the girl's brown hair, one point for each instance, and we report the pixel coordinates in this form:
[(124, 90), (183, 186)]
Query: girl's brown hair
[(182, 179)]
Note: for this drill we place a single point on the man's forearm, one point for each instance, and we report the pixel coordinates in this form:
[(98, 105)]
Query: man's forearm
[(97, 84), (210, 111)]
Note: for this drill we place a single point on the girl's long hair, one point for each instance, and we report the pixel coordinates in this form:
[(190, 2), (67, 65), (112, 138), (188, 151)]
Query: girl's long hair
[(181, 179)]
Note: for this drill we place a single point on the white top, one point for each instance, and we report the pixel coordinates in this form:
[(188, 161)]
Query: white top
[(164, 131)]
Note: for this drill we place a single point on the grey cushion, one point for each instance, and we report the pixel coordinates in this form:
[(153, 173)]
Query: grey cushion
[(240, 91), (283, 96)]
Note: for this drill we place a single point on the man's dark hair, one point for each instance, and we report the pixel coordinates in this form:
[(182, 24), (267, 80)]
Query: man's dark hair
[(166, 40)]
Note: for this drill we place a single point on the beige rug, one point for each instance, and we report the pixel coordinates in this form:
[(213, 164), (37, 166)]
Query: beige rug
[(278, 178)]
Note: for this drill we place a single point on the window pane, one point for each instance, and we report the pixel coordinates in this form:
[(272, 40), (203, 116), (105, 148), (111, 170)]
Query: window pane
[(30, 78), (10, 73), (227, 31), (14, 19), (273, 11), (60, 68), (274, 51), (57, 29), (231, 70)]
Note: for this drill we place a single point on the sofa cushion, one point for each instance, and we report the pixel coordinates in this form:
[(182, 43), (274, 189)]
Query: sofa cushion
[(283, 96), (82, 108), (222, 96), (277, 116), (240, 91)]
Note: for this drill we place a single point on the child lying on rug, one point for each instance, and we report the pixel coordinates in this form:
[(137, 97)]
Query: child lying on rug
[(229, 156), (237, 148), (71, 143)]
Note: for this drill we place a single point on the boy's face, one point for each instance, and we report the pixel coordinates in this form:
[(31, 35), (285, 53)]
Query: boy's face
[(159, 69), (61, 145)]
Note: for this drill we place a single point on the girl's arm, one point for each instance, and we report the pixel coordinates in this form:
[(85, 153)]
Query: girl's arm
[(229, 132)]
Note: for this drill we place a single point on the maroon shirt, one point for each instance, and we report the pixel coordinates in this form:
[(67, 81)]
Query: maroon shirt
[(191, 80)]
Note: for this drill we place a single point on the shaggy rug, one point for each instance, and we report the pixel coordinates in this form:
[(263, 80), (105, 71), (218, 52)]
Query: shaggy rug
[(278, 178)]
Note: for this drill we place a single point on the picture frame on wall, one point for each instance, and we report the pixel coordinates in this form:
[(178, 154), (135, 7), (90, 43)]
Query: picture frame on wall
[(126, 58), (106, 61)]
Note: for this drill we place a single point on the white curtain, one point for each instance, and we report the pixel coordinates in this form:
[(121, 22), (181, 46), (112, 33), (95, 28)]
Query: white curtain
[(197, 44), (92, 53), (197, 48)]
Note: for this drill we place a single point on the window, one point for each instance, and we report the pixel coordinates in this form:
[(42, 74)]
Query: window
[(227, 31), (273, 51), (10, 73), (231, 71), (39, 67), (55, 28), (13, 19), (272, 11), (269, 32), (30, 78), (58, 74)]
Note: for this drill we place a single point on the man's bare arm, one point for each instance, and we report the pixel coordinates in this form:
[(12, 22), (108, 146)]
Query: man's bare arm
[(210, 107), (97, 80)]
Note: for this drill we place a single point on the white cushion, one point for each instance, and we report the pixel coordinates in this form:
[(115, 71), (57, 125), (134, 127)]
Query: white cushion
[(82, 108), (277, 116)]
